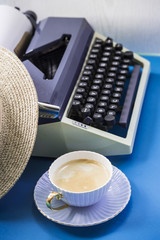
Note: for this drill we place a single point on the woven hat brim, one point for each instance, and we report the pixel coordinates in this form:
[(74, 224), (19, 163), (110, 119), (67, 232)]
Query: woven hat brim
[(19, 119)]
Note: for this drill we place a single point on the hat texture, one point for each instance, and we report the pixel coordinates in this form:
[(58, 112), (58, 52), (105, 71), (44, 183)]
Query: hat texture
[(18, 119)]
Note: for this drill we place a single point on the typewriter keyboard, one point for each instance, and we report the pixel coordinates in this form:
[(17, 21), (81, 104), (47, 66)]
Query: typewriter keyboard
[(106, 90)]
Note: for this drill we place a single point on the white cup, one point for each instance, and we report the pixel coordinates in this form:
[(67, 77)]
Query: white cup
[(79, 199)]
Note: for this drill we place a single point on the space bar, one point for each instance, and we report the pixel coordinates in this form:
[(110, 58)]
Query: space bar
[(129, 96)]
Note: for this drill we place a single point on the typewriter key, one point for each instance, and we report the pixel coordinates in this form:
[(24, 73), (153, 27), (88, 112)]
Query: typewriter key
[(109, 120), (93, 94), (118, 47), (121, 77), (119, 84), (90, 106), (109, 42), (76, 105), (91, 100), (113, 107), (128, 55), (97, 117), (104, 98), (85, 112), (109, 80), (101, 111), (102, 104)]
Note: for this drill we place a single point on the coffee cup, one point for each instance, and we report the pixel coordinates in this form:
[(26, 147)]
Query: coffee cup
[(79, 178)]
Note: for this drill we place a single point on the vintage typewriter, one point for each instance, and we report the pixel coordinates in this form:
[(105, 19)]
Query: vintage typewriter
[(90, 89)]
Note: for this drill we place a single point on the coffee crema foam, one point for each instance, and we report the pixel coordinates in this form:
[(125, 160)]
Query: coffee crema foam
[(81, 175)]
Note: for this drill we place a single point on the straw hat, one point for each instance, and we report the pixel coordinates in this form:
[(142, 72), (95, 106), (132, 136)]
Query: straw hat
[(18, 119)]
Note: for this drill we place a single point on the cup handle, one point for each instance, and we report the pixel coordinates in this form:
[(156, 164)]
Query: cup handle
[(57, 196)]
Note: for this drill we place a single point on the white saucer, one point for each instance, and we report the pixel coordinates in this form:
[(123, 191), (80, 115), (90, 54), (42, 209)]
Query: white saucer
[(114, 201)]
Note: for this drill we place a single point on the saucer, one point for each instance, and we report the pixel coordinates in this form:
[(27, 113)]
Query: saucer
[(112, 203)]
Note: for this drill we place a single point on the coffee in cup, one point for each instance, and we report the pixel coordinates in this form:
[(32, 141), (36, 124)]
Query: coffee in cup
[(81, 175), (79, 178)]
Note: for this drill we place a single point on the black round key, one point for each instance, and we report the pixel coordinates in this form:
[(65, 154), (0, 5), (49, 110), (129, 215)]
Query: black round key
[(119, 47), (93, 56), (128, 55), (81, 91), (106, 54), (90, 106), (95, 88), (113, 69), (103, 65), (118, 53), (109, 42), (76, 104), (98, 82), (87, 73), (97, 45), (116, 95), (95, 51), (85, 112), (97, 117), (108, 49), (92, 62), (117, 58), (85, 79), (120, 83), (109, 120), (115, 63), (123, 72), (118, 89), (113, 107), (104, 98), (121, 78), (111, 75), (111, 112), (91, 100), (124, 67), (98, 40), (126, 61), (106, 92), (93, 94), (89, 67), (83, 85), (88, 120), (101, 71), (114, 100), (101, 111), (102, 104), (108, 86), (78, 97), (109, 80), (99, 76), (105, 59)]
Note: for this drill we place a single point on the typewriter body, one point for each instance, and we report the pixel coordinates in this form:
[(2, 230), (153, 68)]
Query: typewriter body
[(90, 89)]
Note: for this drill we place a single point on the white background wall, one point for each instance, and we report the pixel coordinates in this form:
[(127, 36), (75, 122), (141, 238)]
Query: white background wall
[(135, 23)]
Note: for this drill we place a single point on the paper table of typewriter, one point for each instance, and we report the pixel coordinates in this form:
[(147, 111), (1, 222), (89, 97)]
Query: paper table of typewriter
[(90, 89)]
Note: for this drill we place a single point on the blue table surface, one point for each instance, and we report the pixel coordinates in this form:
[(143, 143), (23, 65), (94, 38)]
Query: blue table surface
[(20, 219)]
